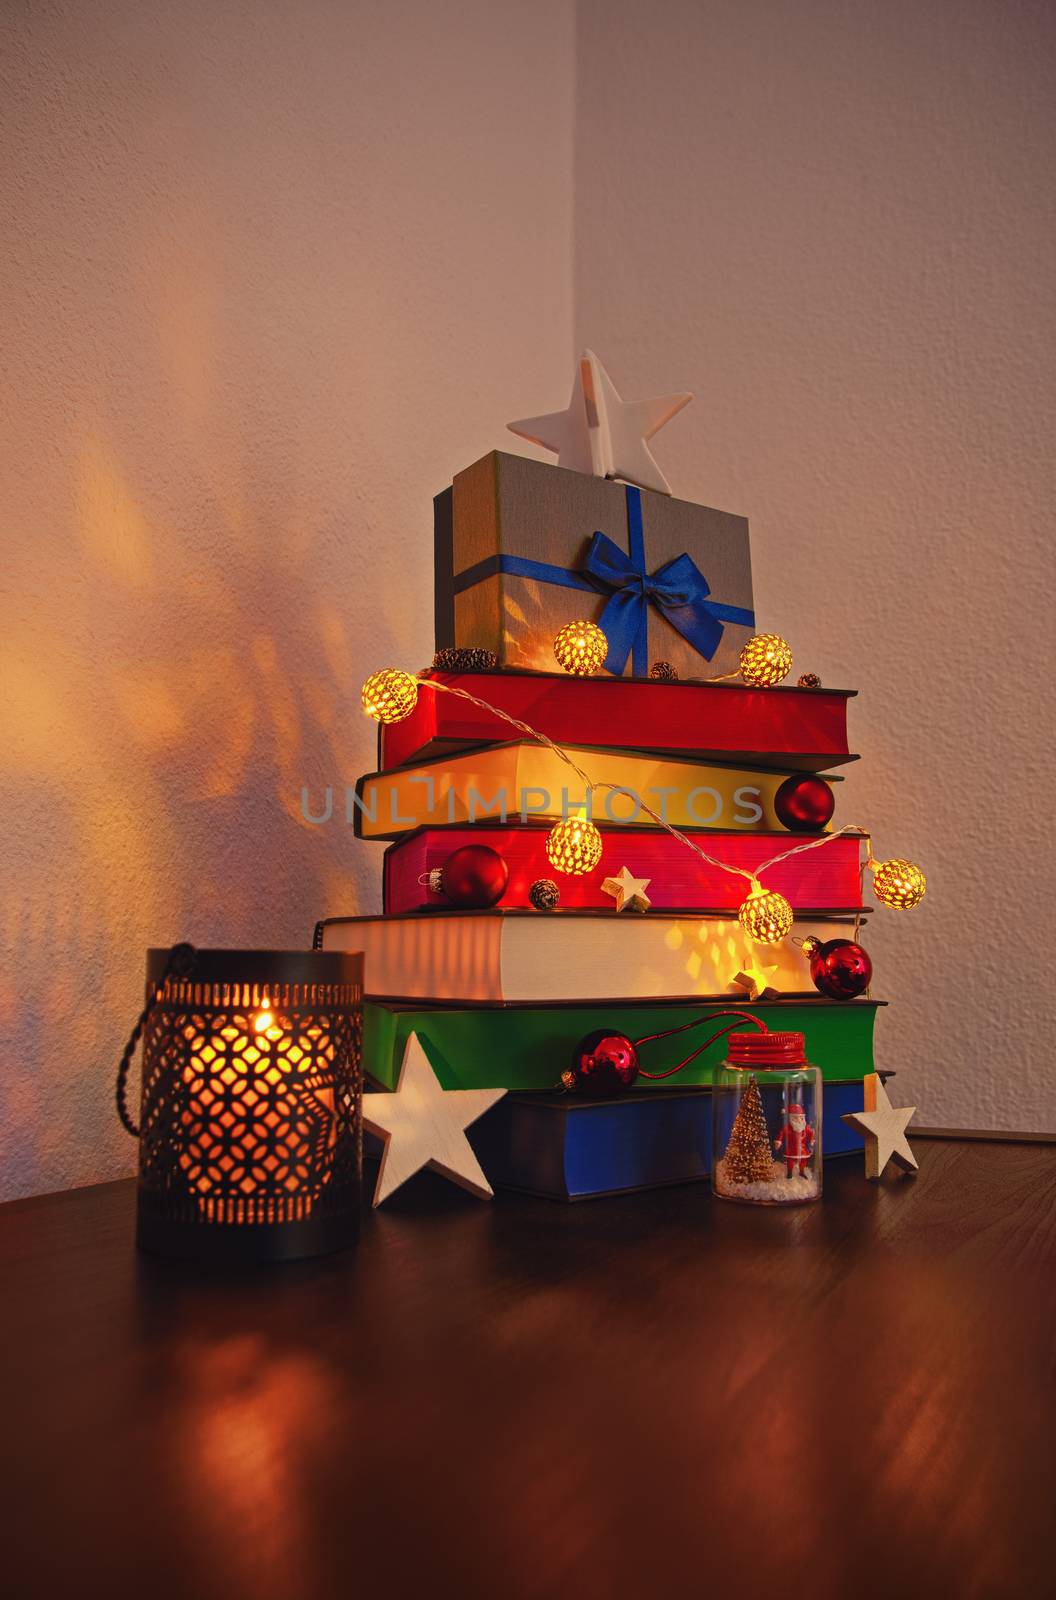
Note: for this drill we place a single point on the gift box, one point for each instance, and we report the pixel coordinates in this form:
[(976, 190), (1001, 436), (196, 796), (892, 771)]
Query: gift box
[(523, 547)]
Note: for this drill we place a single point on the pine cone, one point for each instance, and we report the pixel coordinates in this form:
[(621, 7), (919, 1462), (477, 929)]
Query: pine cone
[(664, 671), (808, 680), (454, 659), (544, 894)]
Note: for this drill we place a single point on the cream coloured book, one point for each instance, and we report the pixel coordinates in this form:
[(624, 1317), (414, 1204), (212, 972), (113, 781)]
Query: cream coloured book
[(525, 957)]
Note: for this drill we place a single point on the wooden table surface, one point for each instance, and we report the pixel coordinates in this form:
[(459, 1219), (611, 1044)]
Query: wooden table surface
[(655, 1395)]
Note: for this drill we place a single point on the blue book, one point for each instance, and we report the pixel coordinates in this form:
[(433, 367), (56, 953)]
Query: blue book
[(564, 1148)]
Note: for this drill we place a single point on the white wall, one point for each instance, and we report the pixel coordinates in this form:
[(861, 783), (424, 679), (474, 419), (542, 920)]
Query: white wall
[(834, 220), (271, 272)]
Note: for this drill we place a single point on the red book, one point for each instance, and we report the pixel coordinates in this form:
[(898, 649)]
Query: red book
[(823, 880), (786, 728)]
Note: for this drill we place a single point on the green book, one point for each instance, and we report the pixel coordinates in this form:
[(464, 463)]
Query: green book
[(529, 1046)]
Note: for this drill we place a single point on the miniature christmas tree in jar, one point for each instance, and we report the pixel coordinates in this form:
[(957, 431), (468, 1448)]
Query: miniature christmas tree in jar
[(766, 1116)]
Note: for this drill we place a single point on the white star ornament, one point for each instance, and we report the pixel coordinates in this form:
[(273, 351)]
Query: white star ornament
[(602, 434), (628, 891), (884, 1129), (424, 1125)]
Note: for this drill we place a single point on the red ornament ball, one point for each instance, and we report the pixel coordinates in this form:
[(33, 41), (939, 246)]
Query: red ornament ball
[(474, 877), (804, 803), (603, 1063), (839, 968)]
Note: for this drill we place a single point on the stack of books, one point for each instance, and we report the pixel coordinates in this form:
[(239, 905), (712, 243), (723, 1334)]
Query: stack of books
[(500, 997)]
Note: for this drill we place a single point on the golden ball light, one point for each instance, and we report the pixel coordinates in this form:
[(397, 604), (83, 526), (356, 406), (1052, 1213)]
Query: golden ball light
[(390, 695), (899, 884), (573, 846), (765, 916), (581, 648), (765, 660)]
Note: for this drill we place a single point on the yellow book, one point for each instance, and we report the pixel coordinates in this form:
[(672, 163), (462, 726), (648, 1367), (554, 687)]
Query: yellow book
[(516, 782)]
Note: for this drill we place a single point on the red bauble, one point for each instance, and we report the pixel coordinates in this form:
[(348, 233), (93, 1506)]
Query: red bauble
[(474, 877), (839, 967), (804, 804), (603, 1062)]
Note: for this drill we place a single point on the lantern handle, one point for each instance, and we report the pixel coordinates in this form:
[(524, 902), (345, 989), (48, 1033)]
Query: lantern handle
[(178, 964)]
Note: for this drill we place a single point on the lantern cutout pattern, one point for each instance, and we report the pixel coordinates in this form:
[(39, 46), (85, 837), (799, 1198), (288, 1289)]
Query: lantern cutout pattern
[(765, 915), (898, 883), (765, 660), (251, 1108), (581, 648), (574, 846), (390, 695)]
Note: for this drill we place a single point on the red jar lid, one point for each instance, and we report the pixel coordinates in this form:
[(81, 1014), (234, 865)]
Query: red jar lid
[(765, 1050)]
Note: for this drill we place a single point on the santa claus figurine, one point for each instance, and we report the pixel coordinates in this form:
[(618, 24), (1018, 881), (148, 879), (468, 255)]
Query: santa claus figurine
[(797, 1139)]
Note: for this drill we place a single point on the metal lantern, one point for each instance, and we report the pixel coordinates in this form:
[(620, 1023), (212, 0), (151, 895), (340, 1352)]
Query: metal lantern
[(250, 1137)]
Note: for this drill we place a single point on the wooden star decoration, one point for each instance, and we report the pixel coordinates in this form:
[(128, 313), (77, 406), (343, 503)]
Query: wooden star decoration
[(602, 434), (423, 1125), (628, 891), (755, 980), (884, 1128)]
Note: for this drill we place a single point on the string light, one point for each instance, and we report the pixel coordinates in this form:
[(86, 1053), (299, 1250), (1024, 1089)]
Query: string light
[(765, 660), (765, 915), (581, 648), (390, 695), (898, 883), (573, 846)]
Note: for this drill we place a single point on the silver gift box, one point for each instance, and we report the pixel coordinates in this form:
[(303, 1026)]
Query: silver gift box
[(512, 542)]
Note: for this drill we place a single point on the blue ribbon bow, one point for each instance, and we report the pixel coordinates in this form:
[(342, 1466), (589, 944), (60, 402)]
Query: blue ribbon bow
[(678, 589)]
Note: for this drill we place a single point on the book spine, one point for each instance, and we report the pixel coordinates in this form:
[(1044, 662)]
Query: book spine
[(495, 958), (628, 716), (525, 781), (528, 1047), (678, 881)]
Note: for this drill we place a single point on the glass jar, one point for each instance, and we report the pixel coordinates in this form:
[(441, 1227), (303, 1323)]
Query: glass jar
[(766, 1122)]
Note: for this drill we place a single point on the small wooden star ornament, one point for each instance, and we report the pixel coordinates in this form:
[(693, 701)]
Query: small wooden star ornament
[(884, 1129), (754, 980), (628, 891), (423, 1125), (602, 434)]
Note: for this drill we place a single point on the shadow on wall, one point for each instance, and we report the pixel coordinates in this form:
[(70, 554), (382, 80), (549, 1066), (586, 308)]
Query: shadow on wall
[(268, 275)]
